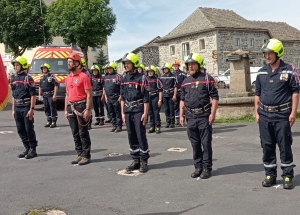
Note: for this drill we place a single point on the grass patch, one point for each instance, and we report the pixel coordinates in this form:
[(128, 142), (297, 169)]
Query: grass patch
[(35, 211), (246, 118)]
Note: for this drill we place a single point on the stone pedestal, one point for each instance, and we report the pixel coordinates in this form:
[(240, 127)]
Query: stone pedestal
[(239, 76)]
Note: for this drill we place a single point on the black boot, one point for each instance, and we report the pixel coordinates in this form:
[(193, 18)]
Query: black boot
[(151, 130), (177, 122), (205, 174), (167, 125), (23, 154), (108, 120), (157, 130), (32, 153), (269, 181), (48, 124), (53, 125), (119, 129), (113, 129), (97, 121), (196, 173), (135, 165), (144, 166), (101, 122), (288, 183), (172, 125)]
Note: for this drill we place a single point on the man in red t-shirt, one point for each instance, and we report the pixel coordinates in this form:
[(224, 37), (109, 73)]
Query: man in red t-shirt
[(78, 104)]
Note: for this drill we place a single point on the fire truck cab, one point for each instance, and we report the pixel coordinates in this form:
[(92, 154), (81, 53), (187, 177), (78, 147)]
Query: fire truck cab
[(56, 57)]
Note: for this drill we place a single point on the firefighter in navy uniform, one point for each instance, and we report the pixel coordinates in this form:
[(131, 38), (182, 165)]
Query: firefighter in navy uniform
[(199, 102), (276, 102), (97, 88), (180, 76), (155, 96), (141, 68), (23, 102), (47, 93), (135, 104), (112, 87), (105, 73), (169, 83)]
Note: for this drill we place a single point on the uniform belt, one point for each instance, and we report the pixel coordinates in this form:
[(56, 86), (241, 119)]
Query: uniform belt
[(50, 92), (22, 101), (168, 91), (198, 111), (79, 102), (96, 93), (134, 103), (277, 108), (152, 93)]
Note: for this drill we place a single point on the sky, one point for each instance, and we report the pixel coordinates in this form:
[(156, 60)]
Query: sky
[(139, 21)]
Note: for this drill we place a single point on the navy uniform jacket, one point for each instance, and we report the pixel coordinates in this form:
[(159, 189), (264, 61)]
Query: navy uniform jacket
[(135, 87), (196, 92), (155, 85), (276, 88), (97, 82), (112, 84), (47, 83), (180, 76), (169, 82), (22, 86)]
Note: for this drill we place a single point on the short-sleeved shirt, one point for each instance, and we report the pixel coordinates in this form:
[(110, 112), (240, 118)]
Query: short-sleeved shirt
[(180, 76), (76, 86), (169, 82), (112, 84), (276, 88), (23, 87), (197, 90), (47, 83)]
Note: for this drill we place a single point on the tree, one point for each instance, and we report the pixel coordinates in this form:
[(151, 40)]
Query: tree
[(22, 25), (102, 59), (86, 23)]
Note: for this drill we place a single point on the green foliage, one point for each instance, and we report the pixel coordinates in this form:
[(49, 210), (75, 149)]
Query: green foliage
[(246, 118), (86, 23), (21, 24), (102, 59)]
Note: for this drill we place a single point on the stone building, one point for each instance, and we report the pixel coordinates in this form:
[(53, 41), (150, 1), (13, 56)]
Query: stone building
[(214, 32), (148, 54)]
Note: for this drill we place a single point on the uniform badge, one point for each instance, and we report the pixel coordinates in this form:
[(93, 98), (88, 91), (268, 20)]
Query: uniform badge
[(284, 77), (271, 81), (193, 86), (76, 81), (114, 80), (49, 79), (130, 85)]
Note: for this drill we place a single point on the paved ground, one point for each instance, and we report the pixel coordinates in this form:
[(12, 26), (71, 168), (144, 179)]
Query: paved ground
[(96, 189)]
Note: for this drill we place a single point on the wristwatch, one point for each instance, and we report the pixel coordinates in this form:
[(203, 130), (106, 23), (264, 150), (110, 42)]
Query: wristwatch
[(32, 108)]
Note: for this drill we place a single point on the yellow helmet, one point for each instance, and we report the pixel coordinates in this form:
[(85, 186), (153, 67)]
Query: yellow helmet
[(196, 58), (21, 60), (46, 65), (167, 66), (83, 63), (273, 45), (112, 65), (142, 66), (95, 67), (153, 68), (131, 57)]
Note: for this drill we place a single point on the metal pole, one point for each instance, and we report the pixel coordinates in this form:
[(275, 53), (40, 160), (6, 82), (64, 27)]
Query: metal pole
[(43, 22)]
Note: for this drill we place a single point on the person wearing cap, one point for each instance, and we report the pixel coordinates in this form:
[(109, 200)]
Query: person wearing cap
[(155, 96), (276, 103), (97, 88), (78, 103), (23, 102), (134, 107), (169, 83), (199, 101), (112, 87), (47, 93), (180, 76)]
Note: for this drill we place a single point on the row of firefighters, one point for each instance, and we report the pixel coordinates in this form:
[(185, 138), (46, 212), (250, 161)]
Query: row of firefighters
[(134, 96)]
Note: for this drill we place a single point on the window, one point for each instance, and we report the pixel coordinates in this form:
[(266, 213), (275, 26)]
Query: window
[(6, 46), (252, 43), (185, 49), (58, 66), (237, 42), (172, 50), (266, 40), (202, 44), (251, 63), (93, 49)]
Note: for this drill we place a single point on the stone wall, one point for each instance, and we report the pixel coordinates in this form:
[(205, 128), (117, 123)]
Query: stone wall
[(194, 43), (226, 42), (150, 56), (292, 53)]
